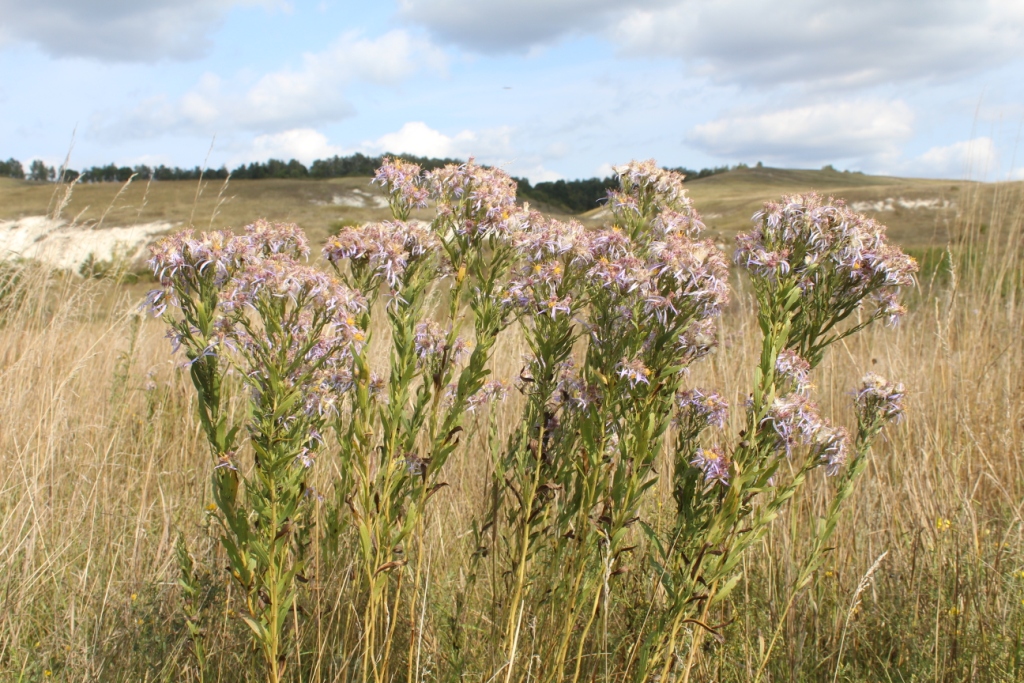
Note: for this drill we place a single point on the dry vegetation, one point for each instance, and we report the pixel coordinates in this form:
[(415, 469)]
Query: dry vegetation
[(102, 465)]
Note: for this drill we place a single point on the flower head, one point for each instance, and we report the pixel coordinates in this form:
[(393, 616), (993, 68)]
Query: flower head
[(403, 183), (701, 408), (634, 372), (792, 367), (713, 463), (878, 399), (795, 421), (818, 243), (386, 248), (478, 201)]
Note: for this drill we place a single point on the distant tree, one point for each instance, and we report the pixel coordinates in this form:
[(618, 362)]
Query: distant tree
[(12, 168), (40, 172), (575, 196)]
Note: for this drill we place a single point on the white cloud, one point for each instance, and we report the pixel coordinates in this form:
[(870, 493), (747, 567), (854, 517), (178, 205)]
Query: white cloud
[(304, 144), (972, 159), (507, 25), (420, 139), (844, 42), (814, 134), (492, 146), (117, 30), (288, 98), (762, 42)]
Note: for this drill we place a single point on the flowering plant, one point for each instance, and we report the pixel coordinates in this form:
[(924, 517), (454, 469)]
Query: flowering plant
[(247, 304), (612, 319)]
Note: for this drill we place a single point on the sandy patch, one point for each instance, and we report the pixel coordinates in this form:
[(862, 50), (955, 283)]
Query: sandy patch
[(68, 246), (355, 199), (891, 204)]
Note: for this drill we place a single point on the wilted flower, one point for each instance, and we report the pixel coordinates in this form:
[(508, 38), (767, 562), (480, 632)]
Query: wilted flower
[(701, 408), (698, 340), (713, 463), (879, 399), (795, 421), (832, 445), (791, 366), (494, 391), (431, 343)]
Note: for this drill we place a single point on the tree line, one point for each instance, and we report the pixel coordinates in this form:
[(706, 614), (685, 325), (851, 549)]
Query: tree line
[(573, 196)]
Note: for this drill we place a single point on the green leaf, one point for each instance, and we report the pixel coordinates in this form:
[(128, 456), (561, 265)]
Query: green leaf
[(727, 588)]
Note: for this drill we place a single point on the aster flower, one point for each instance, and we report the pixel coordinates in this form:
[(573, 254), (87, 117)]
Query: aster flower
[(879, 400), (476, 201), (817, 243), (699, 408), (403, 183), (832, 445), (795, 369), (634, 372), (382, 250), (795, 420), (713, 462), (490, 392)]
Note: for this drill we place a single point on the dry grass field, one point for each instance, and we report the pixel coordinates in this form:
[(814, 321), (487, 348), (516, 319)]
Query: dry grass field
[(103, 464)]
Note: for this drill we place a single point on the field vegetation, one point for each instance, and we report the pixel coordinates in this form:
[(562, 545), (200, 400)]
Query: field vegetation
[(112, 559)]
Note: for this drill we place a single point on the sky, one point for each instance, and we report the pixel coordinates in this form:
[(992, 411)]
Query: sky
[(546, 89)]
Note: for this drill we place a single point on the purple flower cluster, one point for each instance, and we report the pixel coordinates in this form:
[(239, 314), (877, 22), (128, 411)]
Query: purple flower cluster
[(269, 307), (478, 201), (386, 249), (634, 372), (796, 422), (790, 366), (714, 463), (879, 399), (403, 183), (699, 409), (550, 251), (492, 392), (643, 182), (823, 243), (431, 343), (183, 262)]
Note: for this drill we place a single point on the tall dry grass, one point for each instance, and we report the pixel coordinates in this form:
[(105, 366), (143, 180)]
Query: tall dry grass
[(102, 465)]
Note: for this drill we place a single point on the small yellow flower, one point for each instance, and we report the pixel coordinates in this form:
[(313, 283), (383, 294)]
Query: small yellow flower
[(135, 596), (943, 524), (211, 507), (953, 612), (350, 320), (47, 673), (359, 336), (461, 274)]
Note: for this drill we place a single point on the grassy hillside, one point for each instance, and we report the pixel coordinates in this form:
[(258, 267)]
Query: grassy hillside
[(919, 212)]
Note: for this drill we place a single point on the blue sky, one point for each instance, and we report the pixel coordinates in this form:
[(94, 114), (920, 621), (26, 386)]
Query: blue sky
[(545, 88)]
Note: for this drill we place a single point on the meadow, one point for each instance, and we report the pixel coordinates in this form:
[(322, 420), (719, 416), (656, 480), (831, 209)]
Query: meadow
[(106, 477)]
